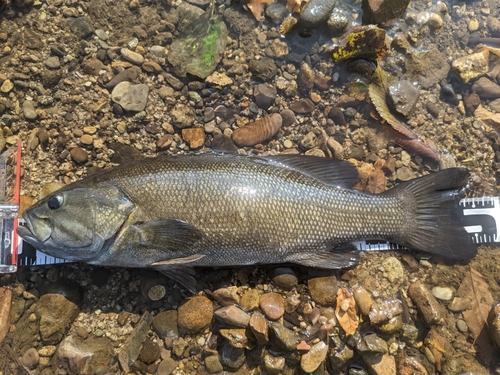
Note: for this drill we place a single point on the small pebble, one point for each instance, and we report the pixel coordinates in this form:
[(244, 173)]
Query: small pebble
[(442, 293), (29, 111), (133, 57), (79, 155), (462, 326)]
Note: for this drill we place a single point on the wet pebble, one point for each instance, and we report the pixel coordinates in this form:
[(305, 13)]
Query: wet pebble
[(285, 278), (264, 94), (363, 300), (29, 111), (230, 357), (442, 293), (81, 26), (409, 333), (323, 290), (459, 304), (380, 364), (273, 364), (372, 343), (486, 89), (311, 360), (95, 351), (30, 358), (302, 106), (133, 57), (258, 325), (258, 131), (411, 366), (272, 305), (227, 296), (305, 78), (79, 155), (237, 337), (264, 68), (213, 365), (282, 337), (404, 96), (165, 324), (131, 97), (150, 352), (232, 316), (385, 310), (195, 315), (337, 23), (462, 326), (250, 299), (288, 117), (315, 13), (393, 325), (429, 308), (167, 367), (55, 314), (195, 137), (276, 11)]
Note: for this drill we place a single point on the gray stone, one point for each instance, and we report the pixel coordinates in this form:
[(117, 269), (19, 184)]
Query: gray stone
[(30, 358), (265, 95), (101, 34), (486, 89), (230, 357), (213, 365), (183, 116), (337, 23), (303, 105), (276, 11), (285, 278), (157, 51), (459, 304), (187, 14), (53, 62), (316, 12), (84, 357), (403, 96), (133, 57), (165, 324), (442, 293), (282, 337), (130, 97), (81, 26), (462, 326), (29, 110), (405, 174)]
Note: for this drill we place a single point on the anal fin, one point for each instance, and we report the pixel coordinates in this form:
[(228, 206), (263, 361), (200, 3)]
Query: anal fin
[(342, 256)]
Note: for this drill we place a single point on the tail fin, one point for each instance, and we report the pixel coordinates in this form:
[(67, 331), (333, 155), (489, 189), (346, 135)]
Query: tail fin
[(438, 230)]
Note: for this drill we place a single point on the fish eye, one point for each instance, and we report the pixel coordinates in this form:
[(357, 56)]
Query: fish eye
[(55, 202)]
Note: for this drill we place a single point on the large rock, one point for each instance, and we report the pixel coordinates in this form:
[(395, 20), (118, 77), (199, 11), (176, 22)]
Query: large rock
[(84, 357), (195, 314), (56, 313), (316, 12)]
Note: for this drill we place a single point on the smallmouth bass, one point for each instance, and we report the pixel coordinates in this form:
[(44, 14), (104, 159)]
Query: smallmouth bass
[(174, 213)]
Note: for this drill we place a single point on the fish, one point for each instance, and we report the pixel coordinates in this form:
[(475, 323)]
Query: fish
[(175, 213)]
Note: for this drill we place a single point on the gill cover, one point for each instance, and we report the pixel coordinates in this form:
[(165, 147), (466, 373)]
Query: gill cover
[(75, 223)]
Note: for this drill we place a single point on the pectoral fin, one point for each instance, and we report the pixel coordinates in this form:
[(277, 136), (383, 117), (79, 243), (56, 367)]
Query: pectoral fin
[(182, 274), (169, 234)]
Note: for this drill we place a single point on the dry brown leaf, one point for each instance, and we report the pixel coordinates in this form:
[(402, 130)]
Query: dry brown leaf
[(257, 7), (477, 290), (376, 182), (294, 5), (345, 311)]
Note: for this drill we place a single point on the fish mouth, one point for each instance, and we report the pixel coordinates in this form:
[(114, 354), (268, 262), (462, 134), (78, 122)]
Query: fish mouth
[(35, 229)]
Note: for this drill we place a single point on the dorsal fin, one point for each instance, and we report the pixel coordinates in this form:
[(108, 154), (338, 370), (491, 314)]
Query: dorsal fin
[(332, 172)]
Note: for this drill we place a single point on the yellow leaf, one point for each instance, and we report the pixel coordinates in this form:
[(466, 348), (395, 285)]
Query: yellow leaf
[(345, 311)]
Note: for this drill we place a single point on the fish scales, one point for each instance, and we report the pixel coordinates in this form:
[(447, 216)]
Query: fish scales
[(255, 208), (174, 213)]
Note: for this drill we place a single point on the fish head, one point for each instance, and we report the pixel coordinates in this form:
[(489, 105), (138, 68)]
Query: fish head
[(76, 223)]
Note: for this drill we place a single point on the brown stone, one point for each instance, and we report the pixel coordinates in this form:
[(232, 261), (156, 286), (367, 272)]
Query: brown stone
[(258, 325), (195, 137), (79, 155), (323, 290), (273, 305), (232, 316), (258, 131), (195, 314), (427, 305), (314, 357), (383, 12)]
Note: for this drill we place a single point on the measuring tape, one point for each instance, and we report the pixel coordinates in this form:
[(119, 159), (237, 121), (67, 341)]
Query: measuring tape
[(480, 216)]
